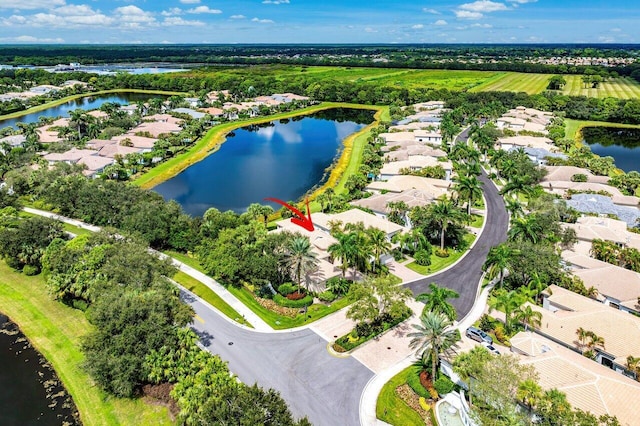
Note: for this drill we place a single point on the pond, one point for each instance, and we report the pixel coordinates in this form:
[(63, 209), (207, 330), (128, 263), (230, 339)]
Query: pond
[(86, 103), (30, 391), (281, 159), (621, 144)]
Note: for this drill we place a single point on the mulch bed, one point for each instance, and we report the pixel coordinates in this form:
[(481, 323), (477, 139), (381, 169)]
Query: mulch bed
[(407, 394), (160, 395), (274, 307)]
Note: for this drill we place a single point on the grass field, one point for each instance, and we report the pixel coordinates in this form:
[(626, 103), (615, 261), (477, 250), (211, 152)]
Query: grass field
[(55, 330), (622, 88)]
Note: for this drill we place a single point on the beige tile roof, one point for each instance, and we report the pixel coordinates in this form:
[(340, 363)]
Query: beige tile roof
[(436, 187), (73, 155), (98, 114), (620, 330), (156, 128), (94, 162), (412, 197), (116, 149), (415, 125), (589, 228), (398, 137), (588, 385), (136, 141), (413, 162), (162, 118), (529, 141), (355, 216), (215, 112), (564, 173)]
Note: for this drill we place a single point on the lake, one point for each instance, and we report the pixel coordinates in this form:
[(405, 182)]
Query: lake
[(86, 103), (30, 391), (621, 144), (282, 159)]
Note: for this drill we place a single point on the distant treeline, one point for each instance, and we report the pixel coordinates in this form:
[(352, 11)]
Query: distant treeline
[(453, 56)]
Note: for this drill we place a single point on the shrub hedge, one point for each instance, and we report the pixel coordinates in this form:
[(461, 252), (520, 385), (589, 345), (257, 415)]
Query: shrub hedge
[(413, 380), (327, 296), (300, 303)]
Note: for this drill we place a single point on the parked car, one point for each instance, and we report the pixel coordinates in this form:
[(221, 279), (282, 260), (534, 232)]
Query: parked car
[(478, 335), (492, 349)]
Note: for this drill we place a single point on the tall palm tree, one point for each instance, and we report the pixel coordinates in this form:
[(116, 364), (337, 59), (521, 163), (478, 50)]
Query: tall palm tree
[(518, 185), (468, 188), (633, 364), (528, 316), (379, 244), (582, 337), (330, 193), (595, 340), (343, 250), (444, 213), (514, 207), (499, 259), (530, 393), (433, 336), (436, 300), (526, 228), (506, 301), (300, 258)]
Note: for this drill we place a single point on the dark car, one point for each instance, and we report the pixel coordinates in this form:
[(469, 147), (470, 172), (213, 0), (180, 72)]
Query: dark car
[(478, 335)]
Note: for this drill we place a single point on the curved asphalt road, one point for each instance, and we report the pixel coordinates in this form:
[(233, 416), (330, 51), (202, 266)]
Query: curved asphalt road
[(315, 384), (465, 276)]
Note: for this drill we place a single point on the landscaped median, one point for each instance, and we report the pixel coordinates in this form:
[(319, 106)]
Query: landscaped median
[(212, 140)]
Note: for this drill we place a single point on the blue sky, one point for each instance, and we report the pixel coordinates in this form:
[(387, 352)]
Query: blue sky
[(318, 21)]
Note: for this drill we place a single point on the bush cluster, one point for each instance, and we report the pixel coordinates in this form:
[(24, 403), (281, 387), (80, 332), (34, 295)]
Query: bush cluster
[(300, 303), (327, 296), (286, 288), (443, 385), (442, 252)]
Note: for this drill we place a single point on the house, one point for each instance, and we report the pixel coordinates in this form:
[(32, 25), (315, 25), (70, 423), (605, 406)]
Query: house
[(617, 287), (96, 113), (510, 123), (354, 216), (214, 112), (163, 118), (566, 173), (603, 205), (526, 142), (70, 157), (156, 129), (94, 164), (587, 385), (143, 143), (400, 183), (397, 137), (114, 149), (191, 112), (564, 312), (193, 102), (14, 141), (129, 109), (378, 203), (414, 163), (539, 155), (47, 134), (44, 89), (589, 228), (429, 105), (426, 136)]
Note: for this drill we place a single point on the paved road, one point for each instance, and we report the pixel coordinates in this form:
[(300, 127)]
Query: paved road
[(465, 276), (324, 388)]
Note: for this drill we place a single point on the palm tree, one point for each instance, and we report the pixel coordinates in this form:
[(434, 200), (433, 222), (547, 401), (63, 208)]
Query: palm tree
[(299, 258), (530, 393), (343, 249), (397, 212), (470, 364), (322, 198), (444, 213), (528, 316), (526, 228), (436, 300), (595, 340), (330, 193), (433, 336), (379, 244), (499, 258), (469, 188), (518, 184), (514, 207), (582, 337), (633, 364), (506, 301)]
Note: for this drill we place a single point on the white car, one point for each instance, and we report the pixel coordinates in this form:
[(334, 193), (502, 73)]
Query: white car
[(492, 349)]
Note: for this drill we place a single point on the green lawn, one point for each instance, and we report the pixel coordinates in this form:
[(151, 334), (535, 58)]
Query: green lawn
[(210, 296), (69, 228), (515, 82), (439, 263), (477, 221), (56, 330), (572, 127), (393, 410), (622, 88)]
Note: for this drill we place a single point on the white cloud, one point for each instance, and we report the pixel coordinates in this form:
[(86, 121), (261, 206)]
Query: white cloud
[(606, 39), (417, 26), (522, 1), (482, 26), (133, 14), (31, 39), (204, 9), (13, 20), (190, 1), (615, 30), (30, 4), (431, 11), (172, 12), (275, 2), (483, 6), (370, 30), (237, 17), (440, 23), (177, 21), (262, 21), (465, 14)]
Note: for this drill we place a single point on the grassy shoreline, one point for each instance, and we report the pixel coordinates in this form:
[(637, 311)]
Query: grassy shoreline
[(216, 136), (56, 331), (574, 128), (66, 99)]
